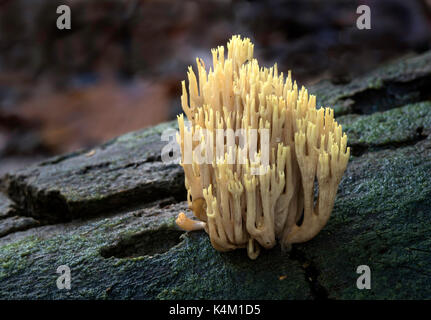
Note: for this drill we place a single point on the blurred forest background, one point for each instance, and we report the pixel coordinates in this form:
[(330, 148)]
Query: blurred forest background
[(119, 67)]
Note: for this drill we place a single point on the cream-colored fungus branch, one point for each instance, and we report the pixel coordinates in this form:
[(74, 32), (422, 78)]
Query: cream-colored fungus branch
[(237, 207)]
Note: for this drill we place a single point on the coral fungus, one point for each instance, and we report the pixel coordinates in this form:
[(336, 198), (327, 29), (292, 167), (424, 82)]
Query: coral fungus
[(241, 199)]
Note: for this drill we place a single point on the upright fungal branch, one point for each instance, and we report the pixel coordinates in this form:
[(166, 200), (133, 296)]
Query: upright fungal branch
[(241, 200)]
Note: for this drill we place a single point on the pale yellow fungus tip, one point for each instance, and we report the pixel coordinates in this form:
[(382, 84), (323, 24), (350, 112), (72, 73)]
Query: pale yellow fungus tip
[(267, 194), (188, 224)]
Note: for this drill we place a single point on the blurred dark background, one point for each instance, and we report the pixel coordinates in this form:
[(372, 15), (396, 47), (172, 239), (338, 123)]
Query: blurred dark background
[(119, 67)]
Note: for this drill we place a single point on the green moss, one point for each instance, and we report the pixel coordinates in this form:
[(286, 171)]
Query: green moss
[(191, 270), (376, 83), (403, 72), (381, 210), (139, 135), (395, 126)]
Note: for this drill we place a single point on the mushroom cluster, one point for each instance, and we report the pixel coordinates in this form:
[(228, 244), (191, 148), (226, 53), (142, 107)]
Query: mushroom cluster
[(252, 198)]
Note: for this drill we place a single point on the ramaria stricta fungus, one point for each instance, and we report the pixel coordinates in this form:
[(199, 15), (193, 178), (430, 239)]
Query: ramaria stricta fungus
[(253, 203)]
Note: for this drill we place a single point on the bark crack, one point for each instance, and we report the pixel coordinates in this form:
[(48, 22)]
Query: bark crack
[(311, 273)]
